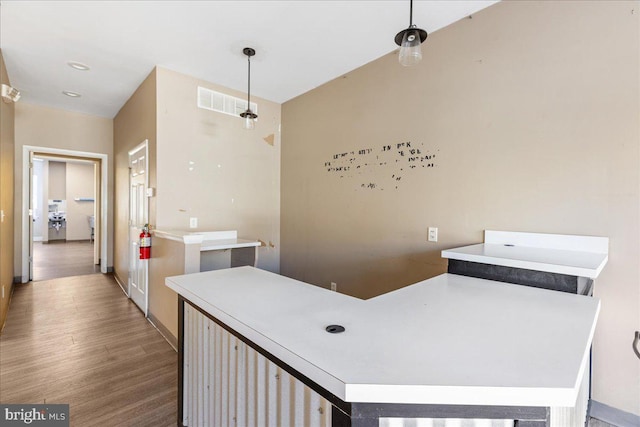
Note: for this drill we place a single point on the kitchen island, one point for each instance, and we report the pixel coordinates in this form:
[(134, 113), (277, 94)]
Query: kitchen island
[(256, 348)]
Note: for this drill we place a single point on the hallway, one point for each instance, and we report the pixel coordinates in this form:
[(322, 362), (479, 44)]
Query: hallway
[(79, 340), (62, 259)]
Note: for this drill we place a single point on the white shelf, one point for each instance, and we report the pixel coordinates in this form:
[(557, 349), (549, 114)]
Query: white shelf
[(215, 245), (208, 240), (582, 256), (447, 340)]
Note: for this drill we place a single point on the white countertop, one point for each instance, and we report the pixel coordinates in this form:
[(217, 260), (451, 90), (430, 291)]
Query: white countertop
[(208, 240), (447, 340), (583, 256), (574, 263)]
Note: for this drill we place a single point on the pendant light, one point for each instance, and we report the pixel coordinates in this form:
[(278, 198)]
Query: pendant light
[(409, 41), (248, 116)]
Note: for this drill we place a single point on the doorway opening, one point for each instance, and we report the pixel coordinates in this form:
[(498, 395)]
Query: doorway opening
[(69, 227), (63, 200)]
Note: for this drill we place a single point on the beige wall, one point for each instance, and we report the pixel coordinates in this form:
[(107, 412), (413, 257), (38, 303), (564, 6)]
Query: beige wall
[(134, 123), (79, 185), (202, 164), (167, 259), (530, 117), (212, 169), (57, 181), (53, 128), (7, 144)]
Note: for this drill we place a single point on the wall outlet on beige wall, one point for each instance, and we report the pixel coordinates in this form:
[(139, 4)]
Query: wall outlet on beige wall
[(334, 286), (193, 222)]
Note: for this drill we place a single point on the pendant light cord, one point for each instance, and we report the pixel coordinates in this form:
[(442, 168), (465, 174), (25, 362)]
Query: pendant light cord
[(249, 84), (410, 13)]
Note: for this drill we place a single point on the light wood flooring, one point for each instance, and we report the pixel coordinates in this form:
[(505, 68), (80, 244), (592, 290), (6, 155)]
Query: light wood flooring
[(62, 259), (81, 341)]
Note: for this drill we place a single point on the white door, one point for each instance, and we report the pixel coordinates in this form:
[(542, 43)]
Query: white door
[(138, 217)]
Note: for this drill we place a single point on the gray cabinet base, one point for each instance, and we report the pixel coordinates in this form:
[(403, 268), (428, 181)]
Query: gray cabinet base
[(369, 414)]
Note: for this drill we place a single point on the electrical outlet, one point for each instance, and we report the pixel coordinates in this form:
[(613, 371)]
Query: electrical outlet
[(433, 234), (334, 286), (193, 222)]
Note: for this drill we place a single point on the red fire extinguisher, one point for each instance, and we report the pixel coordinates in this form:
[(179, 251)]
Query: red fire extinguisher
[(145, 243)]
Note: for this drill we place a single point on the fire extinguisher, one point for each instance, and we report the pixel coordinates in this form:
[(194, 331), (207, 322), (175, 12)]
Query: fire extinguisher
[(145, 243)]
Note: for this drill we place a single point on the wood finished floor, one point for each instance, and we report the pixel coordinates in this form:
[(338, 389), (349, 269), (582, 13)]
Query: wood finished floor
[(80, 341), (62, 259)]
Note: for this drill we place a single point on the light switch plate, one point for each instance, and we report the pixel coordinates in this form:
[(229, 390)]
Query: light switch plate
[(433, 234)]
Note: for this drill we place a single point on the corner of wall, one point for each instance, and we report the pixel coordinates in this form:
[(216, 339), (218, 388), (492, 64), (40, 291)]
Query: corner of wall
[(7, 147)]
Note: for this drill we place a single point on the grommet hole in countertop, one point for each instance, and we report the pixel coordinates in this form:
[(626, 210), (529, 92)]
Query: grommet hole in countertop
[(334, 329)]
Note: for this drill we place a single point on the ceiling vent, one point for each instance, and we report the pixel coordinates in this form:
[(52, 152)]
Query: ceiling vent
[(222, 103)]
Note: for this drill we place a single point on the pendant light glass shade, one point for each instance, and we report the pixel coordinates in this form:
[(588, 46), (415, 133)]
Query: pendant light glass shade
[(248, 120), (248, 116), (410, 50), (410, 41)]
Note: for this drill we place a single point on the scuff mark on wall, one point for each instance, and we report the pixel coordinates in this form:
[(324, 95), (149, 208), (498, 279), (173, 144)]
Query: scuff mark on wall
[(270, 139), (363, 164), (263, 243)]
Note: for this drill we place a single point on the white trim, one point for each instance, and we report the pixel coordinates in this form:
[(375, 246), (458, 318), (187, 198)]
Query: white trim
[(104, 195), (119, 282)]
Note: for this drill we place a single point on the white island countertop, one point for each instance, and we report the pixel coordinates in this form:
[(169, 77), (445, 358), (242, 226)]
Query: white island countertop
[(582, 256), (447, 340)]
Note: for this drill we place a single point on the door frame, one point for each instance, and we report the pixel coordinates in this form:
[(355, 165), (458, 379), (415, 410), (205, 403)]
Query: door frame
[(27, 225), (143, 145)]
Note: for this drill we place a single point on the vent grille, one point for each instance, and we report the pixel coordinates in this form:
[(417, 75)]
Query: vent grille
[(223, 103)]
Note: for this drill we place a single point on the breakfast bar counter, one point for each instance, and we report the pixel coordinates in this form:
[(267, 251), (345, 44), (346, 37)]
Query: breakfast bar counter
[(448, 347)]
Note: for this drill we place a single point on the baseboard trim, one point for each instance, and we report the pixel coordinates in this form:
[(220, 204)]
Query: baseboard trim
[(168, 336), (3, 321), (611, 415), (120, 283)]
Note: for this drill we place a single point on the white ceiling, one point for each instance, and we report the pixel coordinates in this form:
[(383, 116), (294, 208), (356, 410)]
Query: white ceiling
[(300, 44)]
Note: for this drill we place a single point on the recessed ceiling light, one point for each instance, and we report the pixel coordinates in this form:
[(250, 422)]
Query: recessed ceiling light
[(71, 94), (78, 66)]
